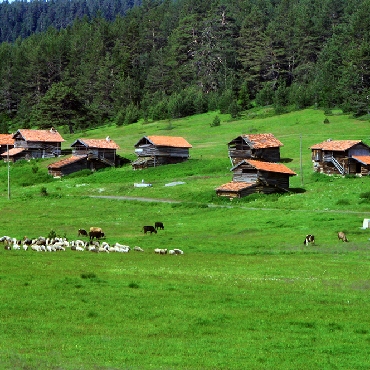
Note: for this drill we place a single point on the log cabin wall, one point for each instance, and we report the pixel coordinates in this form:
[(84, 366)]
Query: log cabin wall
[(150, 150)]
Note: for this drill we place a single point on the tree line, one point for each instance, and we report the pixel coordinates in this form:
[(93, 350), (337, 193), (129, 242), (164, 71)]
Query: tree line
[(166, 59)]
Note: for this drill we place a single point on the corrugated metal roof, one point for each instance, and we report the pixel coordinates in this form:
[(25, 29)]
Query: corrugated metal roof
[(365, 159), (6, 139), (261, 141), (106, 143), (336, 145), (172, 141), (66, 161), (40, 135), (267, 166), (235, 186)]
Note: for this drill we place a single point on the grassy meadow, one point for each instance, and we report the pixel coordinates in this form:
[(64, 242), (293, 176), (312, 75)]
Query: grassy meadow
[(246, 294)]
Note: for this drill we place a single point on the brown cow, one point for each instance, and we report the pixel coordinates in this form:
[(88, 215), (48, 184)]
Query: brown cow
[(342, 236)]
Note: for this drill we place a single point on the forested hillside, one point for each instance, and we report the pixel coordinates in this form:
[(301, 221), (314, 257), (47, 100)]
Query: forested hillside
[(168, 59), (23, 18)]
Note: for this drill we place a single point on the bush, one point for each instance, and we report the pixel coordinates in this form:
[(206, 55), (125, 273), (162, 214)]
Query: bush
[(216, 122), (44, 191)]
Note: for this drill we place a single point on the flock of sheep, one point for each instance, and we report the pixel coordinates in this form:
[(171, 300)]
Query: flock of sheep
[(42, 244)]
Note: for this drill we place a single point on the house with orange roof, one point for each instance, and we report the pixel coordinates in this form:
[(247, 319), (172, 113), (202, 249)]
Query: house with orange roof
[(91, 154), (341, 157), (254, 176), (254, 146), (6, 142), (155, 150), (36, 144)]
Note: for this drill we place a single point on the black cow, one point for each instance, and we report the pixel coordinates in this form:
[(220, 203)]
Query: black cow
[(82, 232), (150, 229), (96, 234), (310, 239), (159, 225)]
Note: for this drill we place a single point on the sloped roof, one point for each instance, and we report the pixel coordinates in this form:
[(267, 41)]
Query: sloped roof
[(171, 141), (261, 141), (235, 186), (106, 143), (13, 152), (336, 145), (267, 166), (364, 159), (67, 161), (51, 135), (6, 139)]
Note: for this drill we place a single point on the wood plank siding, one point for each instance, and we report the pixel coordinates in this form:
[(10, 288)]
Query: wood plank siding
[(254, 146), (340, 157), (155, 151)]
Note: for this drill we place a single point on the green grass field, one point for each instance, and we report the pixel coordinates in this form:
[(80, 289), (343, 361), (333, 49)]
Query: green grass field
[(246, 294)]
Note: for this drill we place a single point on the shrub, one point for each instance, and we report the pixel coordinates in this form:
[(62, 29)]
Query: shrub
[(43, 191), (343, 202), (216, 122)]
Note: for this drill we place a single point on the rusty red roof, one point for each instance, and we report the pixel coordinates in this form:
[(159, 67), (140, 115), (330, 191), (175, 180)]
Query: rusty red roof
[(336, 145), (235, 186), (268, 166), (66, 161), (6, 139), (365, 159), (106, 143), (172, 141), (261, 141), (51, 135), (13, 152)]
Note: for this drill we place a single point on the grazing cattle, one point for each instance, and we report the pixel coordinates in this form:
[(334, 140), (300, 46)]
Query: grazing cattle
[(96, 234), (82, 232), (159, 225), (310, 239), (342, 236), (150, 229)]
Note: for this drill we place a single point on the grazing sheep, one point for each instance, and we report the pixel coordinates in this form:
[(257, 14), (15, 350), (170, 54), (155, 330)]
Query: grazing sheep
[(342, 236), (178, 251), (138, 249), (160, 251)]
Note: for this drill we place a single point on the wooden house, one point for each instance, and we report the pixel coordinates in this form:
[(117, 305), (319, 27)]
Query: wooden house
[(101, 150), (253, 176), (38, 143), (92, 154), (154, 151), (254, 146), (341, 157), (6, 142)]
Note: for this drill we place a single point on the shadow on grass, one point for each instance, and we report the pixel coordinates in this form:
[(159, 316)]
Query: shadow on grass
[(297, 190)]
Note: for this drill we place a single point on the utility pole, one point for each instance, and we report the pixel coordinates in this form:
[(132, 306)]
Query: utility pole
[(7, 150), (300, 158)]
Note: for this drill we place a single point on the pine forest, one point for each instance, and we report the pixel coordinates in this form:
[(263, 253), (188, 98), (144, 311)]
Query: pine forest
[(79, 64)]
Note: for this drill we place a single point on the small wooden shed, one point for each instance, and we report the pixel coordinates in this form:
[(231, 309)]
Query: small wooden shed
[(15, 154), (154, 151), (254, 146), (68, 165), (253, 176), (39, 143), (102, 150), (341, 157), (91, 154)]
